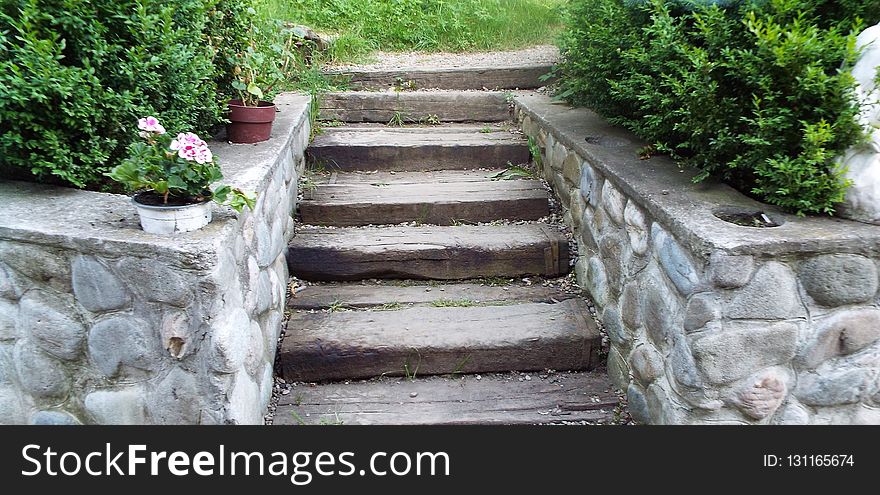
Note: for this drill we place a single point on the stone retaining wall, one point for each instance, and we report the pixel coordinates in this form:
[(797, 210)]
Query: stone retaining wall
[(101, 322), (710, 321)]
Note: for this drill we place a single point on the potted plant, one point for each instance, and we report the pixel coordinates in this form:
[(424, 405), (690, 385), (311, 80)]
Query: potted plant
[(257, 71), (250, 117), (172, 178)]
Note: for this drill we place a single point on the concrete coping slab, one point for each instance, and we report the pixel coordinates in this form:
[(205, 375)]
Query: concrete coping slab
[(107, 223), (665, 189)]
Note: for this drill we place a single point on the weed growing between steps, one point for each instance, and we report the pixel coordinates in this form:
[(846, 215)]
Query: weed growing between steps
[(397, 120), (513, 172), (453, 303)]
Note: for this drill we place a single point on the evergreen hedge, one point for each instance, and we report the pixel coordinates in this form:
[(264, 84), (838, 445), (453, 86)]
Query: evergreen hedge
[(757, 93), (75, 75)]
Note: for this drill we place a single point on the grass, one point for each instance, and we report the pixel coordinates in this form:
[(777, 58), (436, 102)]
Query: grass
[(331, 123), (410, 372), (424, 211), (494, 281), (391, 306), (404, 85), (430, 119), (331, 422), (453, 303), (422, 25), (461, 364), (307, 185), (535, 151), (514, 172), (296, 417), (397, 120)]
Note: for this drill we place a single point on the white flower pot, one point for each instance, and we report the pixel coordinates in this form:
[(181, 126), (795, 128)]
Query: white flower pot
[(173, 219)]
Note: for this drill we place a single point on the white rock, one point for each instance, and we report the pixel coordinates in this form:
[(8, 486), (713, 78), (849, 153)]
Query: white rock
[(636, 228), (272, 330), (11, 409), (8, 317), (244, 401), (614, 202), (230, 341), (39, 374), (256, 350), (117, 407), (176, 400), (266, 385), (862, 201)]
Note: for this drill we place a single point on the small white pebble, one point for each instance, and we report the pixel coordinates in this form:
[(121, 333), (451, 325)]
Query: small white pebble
[(479, 377)]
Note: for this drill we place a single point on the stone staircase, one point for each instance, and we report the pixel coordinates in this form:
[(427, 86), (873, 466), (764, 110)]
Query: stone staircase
[(413, 249)]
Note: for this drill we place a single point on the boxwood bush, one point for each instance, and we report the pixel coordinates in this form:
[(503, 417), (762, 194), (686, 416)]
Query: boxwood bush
[(756, 92), (75, 75)]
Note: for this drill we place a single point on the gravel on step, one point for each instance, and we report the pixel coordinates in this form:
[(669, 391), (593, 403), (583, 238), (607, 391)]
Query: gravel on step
[(543, 54), (550, 377)]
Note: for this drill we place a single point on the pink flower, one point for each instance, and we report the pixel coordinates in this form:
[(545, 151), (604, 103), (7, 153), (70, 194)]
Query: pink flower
[(192, 148), (150, 125)]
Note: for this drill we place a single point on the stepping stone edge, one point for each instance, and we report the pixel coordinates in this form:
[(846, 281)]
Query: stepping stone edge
[(430, 341), (439, 253)]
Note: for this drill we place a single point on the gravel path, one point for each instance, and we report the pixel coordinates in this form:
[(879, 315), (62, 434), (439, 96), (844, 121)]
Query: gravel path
[(542, 54)]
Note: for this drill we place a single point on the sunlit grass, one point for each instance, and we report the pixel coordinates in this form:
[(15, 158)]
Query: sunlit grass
[(422, 25)]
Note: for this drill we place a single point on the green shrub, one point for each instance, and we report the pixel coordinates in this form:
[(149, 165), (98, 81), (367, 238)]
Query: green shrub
[(227, 34), (752, 93), (75, 76)]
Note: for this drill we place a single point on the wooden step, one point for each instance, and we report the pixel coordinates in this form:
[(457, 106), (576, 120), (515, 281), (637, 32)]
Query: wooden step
[(363, 295), (526, 76), (416, 148), (392, 177), (415, 106), (428, 252), (492, 399), (354, 202), (417, 341)]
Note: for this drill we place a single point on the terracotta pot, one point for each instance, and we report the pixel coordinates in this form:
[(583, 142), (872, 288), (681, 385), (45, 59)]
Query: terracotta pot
[(250, 124)]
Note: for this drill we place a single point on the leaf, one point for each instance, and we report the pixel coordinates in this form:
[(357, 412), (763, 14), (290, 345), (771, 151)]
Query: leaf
[(255, 90), (513, 172), (175, 182), (300, 32), (221, 193)]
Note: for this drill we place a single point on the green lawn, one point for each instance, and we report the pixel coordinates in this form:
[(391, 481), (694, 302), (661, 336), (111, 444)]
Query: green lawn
[(422, 25)]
